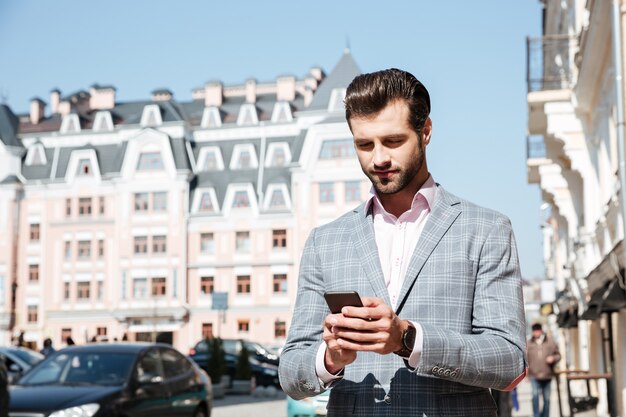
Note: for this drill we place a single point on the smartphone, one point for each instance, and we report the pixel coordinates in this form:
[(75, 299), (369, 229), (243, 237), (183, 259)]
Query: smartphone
[(336, 300)]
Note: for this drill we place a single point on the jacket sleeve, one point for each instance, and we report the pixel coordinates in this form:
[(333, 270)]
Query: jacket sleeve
[(298, 377), (493, 355)]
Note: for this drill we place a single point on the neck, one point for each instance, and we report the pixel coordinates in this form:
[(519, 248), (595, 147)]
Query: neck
[(400, 202)]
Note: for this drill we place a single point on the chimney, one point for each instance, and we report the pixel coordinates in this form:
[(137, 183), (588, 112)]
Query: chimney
[(37, 108), (251, 91), (102, 97), (213, 94), (317, 73), (286, 88), (162, 94), (55, 99), (308, 96)]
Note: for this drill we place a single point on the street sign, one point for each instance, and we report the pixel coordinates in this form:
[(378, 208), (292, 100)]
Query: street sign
[(219, 301)]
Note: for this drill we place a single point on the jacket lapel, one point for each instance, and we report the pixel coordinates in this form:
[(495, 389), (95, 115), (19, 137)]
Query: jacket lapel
[(445, 212), (365, 245)]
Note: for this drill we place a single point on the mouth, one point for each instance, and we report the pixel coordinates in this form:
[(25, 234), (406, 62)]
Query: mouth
[(384, 174)]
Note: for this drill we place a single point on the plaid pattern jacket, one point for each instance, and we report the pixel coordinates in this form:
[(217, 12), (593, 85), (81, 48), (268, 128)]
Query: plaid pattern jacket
[(463, 286)]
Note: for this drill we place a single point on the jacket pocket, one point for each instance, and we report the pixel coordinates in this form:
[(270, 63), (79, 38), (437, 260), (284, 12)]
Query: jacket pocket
[(340, 404), (475, 404)]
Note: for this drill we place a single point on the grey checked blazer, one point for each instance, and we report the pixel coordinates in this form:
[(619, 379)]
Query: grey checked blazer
[(462, 286)]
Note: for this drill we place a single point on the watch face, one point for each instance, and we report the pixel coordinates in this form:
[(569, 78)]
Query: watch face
[(408, 339)]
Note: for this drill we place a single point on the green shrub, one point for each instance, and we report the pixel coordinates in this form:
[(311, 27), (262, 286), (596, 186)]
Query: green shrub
[(243, 369), (216, 365)]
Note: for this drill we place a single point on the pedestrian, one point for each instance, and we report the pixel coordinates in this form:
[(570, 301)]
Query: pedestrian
[(443, 317), (47, 347), (69, 341), (543, 354)]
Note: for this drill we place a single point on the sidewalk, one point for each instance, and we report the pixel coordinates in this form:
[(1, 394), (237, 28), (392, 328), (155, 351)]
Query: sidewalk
[(524, 398)]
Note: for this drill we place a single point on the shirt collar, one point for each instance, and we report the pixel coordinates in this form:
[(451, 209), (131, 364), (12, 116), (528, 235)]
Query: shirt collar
[(428, 191)]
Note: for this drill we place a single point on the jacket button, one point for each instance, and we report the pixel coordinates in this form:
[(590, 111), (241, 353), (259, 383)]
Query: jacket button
[(434, 370), (387, 399), (453, 374), (447, 373), (440, 371)]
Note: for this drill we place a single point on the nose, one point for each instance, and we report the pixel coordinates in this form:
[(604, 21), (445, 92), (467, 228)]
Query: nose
[(381, 157)]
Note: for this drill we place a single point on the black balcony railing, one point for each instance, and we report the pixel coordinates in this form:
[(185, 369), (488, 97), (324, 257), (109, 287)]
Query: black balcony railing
[(550, 62), (535, 147)]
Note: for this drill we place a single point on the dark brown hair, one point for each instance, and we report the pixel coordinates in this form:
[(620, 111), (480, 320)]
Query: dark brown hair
[(369, 93)]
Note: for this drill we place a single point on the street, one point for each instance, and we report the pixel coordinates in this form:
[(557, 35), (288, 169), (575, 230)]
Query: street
[(250, 406)]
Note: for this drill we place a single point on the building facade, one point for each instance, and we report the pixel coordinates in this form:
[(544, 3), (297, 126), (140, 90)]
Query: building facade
[(575, 145), (131, 219)]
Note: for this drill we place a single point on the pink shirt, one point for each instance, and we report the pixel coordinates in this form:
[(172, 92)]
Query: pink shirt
[(396, 238)]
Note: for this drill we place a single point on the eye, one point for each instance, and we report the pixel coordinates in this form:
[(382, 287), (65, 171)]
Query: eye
[(364, 145)]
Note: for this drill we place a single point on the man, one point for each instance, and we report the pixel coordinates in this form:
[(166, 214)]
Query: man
[(443, 319), (48, 349), (543, 354)]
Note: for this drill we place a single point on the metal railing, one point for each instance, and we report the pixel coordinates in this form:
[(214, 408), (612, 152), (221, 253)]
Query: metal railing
[(550, 62)]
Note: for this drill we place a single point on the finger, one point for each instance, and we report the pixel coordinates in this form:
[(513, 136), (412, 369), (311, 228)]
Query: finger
[(361, 337), (372, 301), (347, 344), (363, 313)]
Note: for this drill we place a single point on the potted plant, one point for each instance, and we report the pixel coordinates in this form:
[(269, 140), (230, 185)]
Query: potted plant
[(243, 383), (216, 366)]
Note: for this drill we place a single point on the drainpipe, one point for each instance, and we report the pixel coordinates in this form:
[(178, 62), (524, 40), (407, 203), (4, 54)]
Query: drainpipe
[(619, 104)]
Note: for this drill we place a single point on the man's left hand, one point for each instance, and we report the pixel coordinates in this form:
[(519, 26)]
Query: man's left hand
[(371, 328)]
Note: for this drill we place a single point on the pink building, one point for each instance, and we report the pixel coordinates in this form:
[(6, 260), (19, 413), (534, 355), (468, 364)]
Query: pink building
[(124, 219)]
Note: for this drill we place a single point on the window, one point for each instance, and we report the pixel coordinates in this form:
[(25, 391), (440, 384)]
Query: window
[(101, 206), (140, 287), (84, 206), (353, 191), (337, 148), (242, 242), (68, 250), (327, 192), (243, 325), (68, 207), (150, 161), (159, 244), (141, 201), (66, 290), (100, 248), (83, 290), (207, 330), (280, 283), (279, 238), (159, 285), (207, 243), (206, 203), (174, 364), (337, 96), (207, 285), (243, 284), (84, 168), (101, 331), (244, 157), (241, 199), (34, 231), (159, 201), (280, 329), (33, 273), (32, 314), (84, 249), (100, 290), (140, 244), (277, 200), (210, 162), (65, 334)]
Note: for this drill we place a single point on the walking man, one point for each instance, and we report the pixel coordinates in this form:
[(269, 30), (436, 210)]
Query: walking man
[(543, 354)]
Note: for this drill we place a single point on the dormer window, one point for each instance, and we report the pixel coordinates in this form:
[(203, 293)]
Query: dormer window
[(278, 154), (211, 117), (36, 155), (282, 112), (277, 197), (247, 115), (210, 159), (205, 201), (277, 200), (337, 148), (241, 199), (336, 99), (84, 168), (206, 205), (70, 123), (244, 157), (151, 115), (150, 161), (103, 122)]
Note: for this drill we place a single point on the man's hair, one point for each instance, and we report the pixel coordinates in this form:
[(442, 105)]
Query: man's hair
[(537, 326), (368, 94)]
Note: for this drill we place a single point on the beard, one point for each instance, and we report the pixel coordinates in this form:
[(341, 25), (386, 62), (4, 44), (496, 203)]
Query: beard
[(403, 176)]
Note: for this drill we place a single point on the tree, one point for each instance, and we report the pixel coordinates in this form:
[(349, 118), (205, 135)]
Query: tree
[(243, 369), (216, 364)]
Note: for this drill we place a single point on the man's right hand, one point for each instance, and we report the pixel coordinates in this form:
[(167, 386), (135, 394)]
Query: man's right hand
[(336, 358)]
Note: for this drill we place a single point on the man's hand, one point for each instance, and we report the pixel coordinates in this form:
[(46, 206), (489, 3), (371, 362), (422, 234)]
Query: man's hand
[(371, 328)]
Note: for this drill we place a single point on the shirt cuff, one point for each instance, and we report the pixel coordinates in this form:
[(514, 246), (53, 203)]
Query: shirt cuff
[(325, 377), (416, 354)]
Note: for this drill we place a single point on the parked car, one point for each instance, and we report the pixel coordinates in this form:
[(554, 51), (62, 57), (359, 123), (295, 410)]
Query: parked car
[(111, 380), (309, 407), (263, 362), (19, 360)]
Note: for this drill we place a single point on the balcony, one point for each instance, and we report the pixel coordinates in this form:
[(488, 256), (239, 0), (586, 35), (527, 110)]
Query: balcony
[(550, 62), (535, 157)]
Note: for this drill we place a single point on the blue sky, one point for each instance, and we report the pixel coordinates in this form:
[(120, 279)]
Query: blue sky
[(470, 54)]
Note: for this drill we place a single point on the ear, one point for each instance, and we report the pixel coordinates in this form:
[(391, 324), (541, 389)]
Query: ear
[(427, 131)]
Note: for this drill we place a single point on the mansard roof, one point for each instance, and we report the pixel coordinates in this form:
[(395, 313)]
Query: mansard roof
[(343, 73), (9, 124)]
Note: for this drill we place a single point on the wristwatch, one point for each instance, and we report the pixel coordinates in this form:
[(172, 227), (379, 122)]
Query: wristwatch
[(408, 342)]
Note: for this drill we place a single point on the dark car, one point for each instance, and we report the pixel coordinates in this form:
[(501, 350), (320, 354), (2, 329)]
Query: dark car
[(19, 360), (111, 380), (263, 362)]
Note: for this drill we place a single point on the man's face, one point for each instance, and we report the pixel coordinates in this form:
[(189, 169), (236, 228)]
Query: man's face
[(537, 333), (390, 152)]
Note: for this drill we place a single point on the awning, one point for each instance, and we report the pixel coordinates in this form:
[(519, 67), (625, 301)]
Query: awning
[(608, 299), (567, 316)]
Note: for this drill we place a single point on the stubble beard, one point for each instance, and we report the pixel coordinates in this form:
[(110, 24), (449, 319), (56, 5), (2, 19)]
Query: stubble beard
[(386, 186)]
